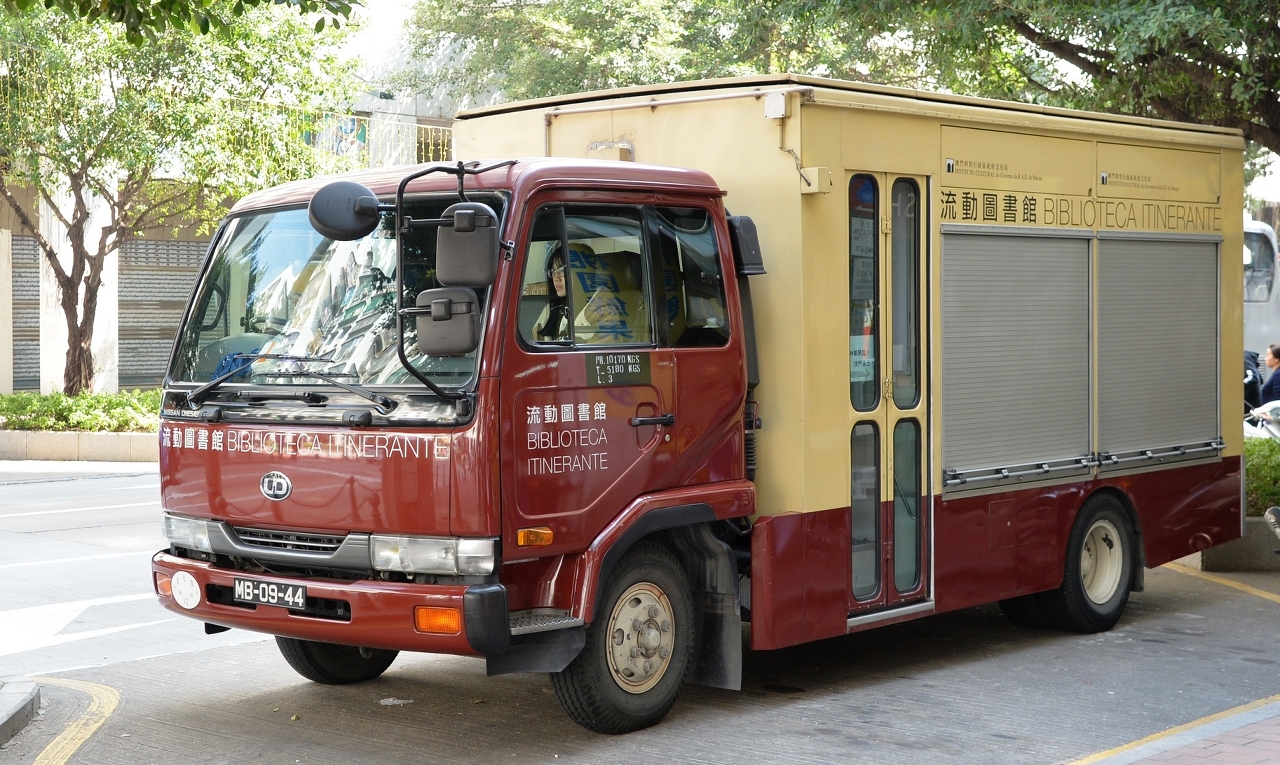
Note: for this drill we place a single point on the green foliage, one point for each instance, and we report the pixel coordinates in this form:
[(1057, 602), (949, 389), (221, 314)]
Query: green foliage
[(117, 138), (145, 19), (1262, 474), (517, 49), (170, 129), (130, 411), (1206, 61)]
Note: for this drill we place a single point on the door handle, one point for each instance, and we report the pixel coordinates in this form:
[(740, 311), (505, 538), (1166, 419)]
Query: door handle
[(666, 419)]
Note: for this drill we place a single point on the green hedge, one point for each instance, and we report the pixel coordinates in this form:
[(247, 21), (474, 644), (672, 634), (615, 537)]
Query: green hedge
[(137, 411), (1262, 474)]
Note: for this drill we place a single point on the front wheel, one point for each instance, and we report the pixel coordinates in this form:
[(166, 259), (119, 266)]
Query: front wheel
[(1099, 569), (333, 664), (632, 667)]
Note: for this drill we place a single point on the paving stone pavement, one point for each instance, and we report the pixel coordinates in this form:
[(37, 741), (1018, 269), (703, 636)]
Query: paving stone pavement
[(1251, 745)]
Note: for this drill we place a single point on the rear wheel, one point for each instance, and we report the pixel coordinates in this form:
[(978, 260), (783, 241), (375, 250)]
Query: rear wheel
[(1099, 569), (333, 664), (630, 671)]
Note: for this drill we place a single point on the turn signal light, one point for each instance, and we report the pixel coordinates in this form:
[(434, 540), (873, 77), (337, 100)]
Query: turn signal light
[(538, 536), (441, 621), (164, 585)]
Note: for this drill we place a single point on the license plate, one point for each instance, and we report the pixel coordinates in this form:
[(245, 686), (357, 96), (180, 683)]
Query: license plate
[(270, 593)]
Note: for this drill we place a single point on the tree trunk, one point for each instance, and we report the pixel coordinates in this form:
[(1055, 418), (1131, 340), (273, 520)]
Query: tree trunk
[(79, 372), (78, 376), (79, 297)]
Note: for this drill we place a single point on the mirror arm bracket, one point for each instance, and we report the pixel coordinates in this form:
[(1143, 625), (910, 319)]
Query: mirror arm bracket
[(462, 170), (400, 226)]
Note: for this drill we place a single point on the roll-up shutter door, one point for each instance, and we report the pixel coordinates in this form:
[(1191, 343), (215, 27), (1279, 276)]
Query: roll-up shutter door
[(1157, 349), (1015, 357)]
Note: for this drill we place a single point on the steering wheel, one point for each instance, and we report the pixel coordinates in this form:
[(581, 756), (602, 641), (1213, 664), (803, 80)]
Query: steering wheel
[(266, 325), (215, 290)]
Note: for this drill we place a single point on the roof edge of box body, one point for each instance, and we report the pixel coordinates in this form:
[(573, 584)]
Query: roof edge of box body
[(763, 81)]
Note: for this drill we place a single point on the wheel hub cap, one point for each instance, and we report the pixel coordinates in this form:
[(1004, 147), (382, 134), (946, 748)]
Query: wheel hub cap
[(1101, 561), (641, 636)]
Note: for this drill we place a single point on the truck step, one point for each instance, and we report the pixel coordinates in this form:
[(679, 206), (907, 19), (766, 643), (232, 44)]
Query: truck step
[(541, 620)]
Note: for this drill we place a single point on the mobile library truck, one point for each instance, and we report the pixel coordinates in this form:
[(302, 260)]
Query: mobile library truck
[(803, 355)]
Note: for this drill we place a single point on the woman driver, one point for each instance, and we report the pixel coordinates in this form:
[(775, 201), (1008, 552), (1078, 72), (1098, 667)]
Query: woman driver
[(553, 323)]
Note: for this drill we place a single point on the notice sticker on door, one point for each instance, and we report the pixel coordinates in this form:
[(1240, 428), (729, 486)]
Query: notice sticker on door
[(617, 368)]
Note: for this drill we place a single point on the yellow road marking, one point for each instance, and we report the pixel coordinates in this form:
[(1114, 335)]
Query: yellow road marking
[(1271, 596), (102, 702), (1252, 705)]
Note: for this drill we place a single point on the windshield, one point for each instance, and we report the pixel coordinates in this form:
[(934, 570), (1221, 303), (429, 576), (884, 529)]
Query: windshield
[(276, 286)]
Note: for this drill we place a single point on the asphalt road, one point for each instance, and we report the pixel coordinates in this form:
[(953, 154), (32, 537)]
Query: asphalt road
[(962, 687), (75, 578)]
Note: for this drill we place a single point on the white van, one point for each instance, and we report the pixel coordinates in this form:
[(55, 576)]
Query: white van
[(1261, 293)]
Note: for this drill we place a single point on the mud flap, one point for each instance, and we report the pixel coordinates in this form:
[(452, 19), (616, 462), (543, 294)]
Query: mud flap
[(713, 574), (718, 663), (549, 651)]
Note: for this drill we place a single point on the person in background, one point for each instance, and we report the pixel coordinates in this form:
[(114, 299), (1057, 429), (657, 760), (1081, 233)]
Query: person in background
[(1271, 388), (1252, 382)]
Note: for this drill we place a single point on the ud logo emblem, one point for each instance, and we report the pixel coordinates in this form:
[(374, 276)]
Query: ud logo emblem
[(276, 485)]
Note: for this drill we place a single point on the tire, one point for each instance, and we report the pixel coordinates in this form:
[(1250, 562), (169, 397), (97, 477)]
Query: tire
[(333, 664), (1099, 569), (621, 682), (1026, 611)]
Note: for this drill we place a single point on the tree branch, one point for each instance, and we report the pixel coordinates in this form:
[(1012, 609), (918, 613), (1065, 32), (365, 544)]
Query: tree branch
[(1069, 52), (57, 213), (25, 219)]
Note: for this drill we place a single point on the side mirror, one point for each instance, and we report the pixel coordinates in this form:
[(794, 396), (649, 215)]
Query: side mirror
[(448, 321), (467, 252), (344, 211), (747, 258)]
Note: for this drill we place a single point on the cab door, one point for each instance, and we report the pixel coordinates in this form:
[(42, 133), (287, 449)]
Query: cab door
[(693, 320), (587, 392), (887, 391)]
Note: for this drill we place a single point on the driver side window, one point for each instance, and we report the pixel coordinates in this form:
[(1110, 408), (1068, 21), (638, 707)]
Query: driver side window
[(585, 282)]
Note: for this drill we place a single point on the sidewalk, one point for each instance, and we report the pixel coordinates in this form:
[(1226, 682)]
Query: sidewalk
[(1247, 735)]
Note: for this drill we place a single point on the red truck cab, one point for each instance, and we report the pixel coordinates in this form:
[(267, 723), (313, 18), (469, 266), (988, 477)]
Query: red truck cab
[(533, 452)]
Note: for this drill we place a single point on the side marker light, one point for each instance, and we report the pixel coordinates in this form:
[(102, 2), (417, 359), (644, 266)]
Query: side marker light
[(440, 621), (538, 536), (164, 585)]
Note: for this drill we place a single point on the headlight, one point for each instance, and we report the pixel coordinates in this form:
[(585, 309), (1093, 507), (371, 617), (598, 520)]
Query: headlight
[(187, 532), (432, 555), (475, 556)]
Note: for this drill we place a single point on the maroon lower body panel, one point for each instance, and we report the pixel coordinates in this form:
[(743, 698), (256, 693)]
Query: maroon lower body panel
[(986, 548), (1011, 543), (800, 578), (381, 612)]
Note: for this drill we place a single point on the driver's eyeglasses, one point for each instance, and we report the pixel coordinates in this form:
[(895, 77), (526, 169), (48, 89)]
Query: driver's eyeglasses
[(557, 272)]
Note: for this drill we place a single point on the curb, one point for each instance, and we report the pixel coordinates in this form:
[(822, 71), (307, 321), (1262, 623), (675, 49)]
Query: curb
[(77, 446), (18, 704)]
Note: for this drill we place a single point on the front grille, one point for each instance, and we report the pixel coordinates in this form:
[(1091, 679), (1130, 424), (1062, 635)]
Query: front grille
[(288, 540)]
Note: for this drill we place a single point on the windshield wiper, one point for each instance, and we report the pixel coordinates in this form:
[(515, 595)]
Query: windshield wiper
[(385, 405), (195, 397)]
